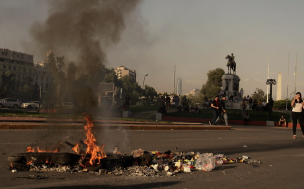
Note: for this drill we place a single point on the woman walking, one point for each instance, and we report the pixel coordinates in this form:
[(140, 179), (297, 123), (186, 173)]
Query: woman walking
[(297, 108)]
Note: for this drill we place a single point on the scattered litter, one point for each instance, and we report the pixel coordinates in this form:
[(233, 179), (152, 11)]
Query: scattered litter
[(147, 164)]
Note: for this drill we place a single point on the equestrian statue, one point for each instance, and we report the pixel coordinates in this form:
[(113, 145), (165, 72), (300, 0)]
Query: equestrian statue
[(231, 64)]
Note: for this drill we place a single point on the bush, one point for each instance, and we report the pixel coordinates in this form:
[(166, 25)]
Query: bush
[(281, 104)]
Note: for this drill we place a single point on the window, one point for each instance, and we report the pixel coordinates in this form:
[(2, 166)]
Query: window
[(4, 66), (24, 69), (9, 67), (14, 68)]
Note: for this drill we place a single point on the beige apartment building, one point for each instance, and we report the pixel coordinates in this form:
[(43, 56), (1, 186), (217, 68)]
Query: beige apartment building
[(122, 71), (22, 65)]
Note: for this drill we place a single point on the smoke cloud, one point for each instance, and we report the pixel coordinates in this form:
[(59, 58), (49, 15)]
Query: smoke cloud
[(81, 30)]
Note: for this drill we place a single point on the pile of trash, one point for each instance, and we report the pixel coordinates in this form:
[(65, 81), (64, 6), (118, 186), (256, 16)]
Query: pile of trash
[(176, 162), (151, 164)]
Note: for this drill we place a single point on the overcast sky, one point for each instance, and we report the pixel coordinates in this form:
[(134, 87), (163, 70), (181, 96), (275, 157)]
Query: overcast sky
[(194, 35)]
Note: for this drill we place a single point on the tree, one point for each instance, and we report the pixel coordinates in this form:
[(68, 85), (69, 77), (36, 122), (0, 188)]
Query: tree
[(213, 84), (195, 99), (149, 93), (8, 83), (110, 76), (259, 95), (129, 85)]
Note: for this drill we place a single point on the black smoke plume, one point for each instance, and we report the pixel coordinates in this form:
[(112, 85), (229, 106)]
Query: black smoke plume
[(81, 30)]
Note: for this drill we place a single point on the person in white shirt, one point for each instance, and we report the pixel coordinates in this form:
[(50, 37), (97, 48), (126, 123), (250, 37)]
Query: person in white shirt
[(297, 108)]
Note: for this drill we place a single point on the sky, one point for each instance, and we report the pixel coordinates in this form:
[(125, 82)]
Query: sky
[(193, 35)]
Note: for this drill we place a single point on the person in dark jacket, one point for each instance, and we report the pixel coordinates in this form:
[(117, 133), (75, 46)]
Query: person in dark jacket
[(215, 110), (223, 112)]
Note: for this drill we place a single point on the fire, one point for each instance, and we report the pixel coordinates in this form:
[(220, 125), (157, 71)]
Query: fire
[(29, 162), (95, 151), (31, 149), (76, 148), (91, 156)]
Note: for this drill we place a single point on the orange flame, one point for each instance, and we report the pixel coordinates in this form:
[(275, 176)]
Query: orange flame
[(95, 151), (76, 148), (11, 164), (29, 162), (31, 149)]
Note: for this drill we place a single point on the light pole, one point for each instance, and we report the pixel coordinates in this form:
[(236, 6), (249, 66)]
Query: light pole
[(144, 81), (143, 87), (270, 101)]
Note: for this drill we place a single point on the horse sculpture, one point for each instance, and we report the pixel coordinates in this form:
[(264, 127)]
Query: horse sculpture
[(231, 64)]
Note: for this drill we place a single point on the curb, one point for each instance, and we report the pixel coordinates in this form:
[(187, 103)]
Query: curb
[(114, 127)]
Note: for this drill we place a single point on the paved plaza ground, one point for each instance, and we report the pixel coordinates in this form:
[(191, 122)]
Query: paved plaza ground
[(282, 158)]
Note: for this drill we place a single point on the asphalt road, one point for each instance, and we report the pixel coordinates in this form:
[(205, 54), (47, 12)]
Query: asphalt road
[(282, 158)]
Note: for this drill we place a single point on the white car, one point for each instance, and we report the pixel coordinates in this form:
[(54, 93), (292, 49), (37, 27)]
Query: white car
[(29, 105), (10, 103)]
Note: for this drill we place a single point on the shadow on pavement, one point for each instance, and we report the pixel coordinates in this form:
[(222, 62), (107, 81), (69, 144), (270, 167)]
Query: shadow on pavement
[(253, 147), (138, 186)]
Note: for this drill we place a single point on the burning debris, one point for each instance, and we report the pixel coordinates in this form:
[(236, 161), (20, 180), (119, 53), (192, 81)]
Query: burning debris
[(90, 157)]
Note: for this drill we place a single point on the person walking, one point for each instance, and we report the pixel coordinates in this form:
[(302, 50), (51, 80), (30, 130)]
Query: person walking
[(176, 101), (223, 111), (297, 108), (215, 110), (168, 99), (243, 106)]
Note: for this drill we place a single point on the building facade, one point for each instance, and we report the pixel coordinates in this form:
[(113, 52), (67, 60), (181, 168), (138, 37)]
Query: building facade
[(194, 92), (179, 86), (279, 87), (123, 71), (22, 65)]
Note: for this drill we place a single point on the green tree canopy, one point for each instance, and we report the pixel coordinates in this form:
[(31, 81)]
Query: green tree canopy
[(213, 84), (149, 93), (259, 95)]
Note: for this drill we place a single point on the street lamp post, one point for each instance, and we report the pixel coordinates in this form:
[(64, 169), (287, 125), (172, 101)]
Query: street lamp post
[(270, 101), (144, 81), (143, 87)]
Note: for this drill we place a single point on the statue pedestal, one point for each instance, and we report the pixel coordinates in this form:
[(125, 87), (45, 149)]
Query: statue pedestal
[(230, 84)]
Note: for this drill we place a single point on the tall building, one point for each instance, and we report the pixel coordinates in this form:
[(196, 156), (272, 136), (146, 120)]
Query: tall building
[(279, 87), (23, 66), (179, 88), (122, 71)]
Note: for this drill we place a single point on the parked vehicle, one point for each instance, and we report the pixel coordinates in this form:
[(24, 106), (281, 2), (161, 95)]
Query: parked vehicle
[(29, 105), (11, 102)]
